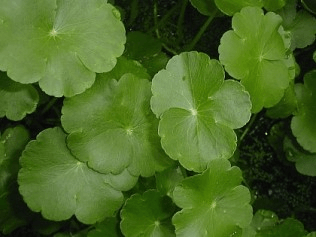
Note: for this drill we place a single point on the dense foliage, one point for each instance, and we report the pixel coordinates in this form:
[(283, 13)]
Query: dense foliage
[(158, 118)]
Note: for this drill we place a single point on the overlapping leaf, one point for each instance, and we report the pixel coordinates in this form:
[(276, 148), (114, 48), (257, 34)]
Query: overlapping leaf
[(300, 25), (303, 123), (198, 110), (60, 44), (52, 181), (305, 162), (213, 203), (230, 7), (13, 212), (255, 53), (16, 100), (117, 130), (148, 214)]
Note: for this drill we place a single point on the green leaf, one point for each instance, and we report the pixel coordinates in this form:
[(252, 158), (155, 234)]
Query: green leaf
[(286, 106), (305, 162), (117, 130), (263, 219), (16, 100), (273, 5), (124, 66), (213, 203), (198, 108), (60, 44), (147, 50), (300, 25), (303, 122), (205, 7), (52, 181), (109, 228), (312, 234), (168, 179), (230, 7), (255, 53), (14, 212), (147, 215), (289, 227)]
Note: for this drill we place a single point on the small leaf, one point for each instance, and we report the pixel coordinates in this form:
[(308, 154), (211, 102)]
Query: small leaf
[(51, 174), (16, 100), (60, 44), (213, 203), (168, 179), (14, 212), (255, 53), (147, 50), (289, 227), (300, 25), (230, 7), (117, 130), (305, 162), (107, 228), (303, 123), (198, 108), (147, 215)]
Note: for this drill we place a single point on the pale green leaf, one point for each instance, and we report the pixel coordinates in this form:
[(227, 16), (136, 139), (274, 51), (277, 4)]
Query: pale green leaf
[(52, 181), (117, 130), (199, 108), (16, 100), (213, 203), (60, 44), (147, 215), (255, 53)]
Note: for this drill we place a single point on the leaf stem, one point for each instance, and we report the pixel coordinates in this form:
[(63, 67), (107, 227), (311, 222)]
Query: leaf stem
[(181, 19), (249, 125), (49, 105), (156, 19), (201, 31)]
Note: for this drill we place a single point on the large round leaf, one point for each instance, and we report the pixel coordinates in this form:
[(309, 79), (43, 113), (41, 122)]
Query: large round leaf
[(254, 52), (198, 110), (59, 43), (213, 203), (116, 130), (16, 100), (14, 212), (303, 123), (54, 182), (147, 215)]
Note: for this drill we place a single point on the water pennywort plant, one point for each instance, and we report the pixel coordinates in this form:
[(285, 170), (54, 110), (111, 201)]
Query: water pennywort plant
[(116, 120)]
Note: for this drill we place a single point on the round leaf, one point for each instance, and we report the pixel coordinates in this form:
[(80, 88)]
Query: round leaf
[(303, 123), (273, 5), (117, 130), (198, 108), (147, 215), (16, 100), (108, 228), (54, 182), (213, 203), (255, 53), (61, 44)]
